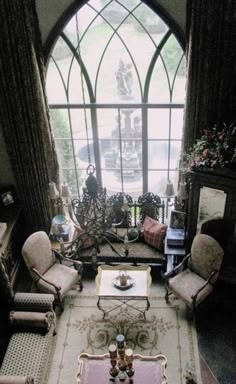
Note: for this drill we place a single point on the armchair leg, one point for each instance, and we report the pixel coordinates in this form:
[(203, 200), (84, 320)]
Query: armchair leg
[(80, 286), (60, 302), (167, 294), (189, 313)]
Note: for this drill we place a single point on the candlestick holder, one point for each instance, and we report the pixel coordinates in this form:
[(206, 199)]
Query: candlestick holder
[(121, 359), (113, 358)]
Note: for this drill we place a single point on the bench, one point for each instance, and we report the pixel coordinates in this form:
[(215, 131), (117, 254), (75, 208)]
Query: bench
[(123, 239), (31, 324)]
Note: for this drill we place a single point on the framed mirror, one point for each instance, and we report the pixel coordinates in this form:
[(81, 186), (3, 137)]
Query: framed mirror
[(211, 204)]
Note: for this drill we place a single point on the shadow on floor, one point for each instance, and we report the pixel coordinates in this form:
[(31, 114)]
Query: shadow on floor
[(216, 330)]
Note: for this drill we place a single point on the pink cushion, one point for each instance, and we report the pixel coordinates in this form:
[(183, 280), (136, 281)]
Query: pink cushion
[(154, 233)]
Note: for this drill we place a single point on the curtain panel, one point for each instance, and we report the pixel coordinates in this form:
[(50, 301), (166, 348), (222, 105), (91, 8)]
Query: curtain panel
[(24, 113), (211, 66)]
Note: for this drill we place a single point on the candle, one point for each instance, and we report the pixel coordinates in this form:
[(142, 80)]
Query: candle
[(120, 339), (53, 192), (129, 355), (113, 351), (65, 192), (126, 243)]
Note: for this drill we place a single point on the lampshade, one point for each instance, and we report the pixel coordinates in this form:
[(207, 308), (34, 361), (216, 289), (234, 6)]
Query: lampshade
[(182, 191), (169, 192), (65, 192), (53, 192)]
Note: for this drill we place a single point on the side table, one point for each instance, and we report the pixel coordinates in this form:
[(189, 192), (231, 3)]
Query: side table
[(148, 369), (174, 255)]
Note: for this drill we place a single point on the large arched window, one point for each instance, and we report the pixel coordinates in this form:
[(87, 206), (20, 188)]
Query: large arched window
[(116, 87)]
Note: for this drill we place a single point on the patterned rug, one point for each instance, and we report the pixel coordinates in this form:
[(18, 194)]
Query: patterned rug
[(165, 330)]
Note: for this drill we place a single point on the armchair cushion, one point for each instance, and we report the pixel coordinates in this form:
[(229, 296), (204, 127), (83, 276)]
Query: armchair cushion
[(60, 275), (207, 256), (27, 355), (154, 233), (187, 283)]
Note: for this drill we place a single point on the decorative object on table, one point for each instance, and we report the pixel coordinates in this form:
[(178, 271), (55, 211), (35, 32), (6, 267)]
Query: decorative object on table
[(60, 229), (175, 234), (216, 148), (177, 219), (121, 359), (59, 198), (169, 193), (123, 281), (7, 195), (175, 237), (181, 200)]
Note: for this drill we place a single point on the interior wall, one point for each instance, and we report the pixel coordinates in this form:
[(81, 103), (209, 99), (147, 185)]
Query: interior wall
[(49, 11)]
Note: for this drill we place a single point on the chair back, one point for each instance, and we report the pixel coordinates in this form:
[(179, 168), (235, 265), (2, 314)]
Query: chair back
[(37, 252), (206, 256)]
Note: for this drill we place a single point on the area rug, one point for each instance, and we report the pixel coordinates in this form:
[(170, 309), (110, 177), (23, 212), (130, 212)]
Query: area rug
[(81, 328)]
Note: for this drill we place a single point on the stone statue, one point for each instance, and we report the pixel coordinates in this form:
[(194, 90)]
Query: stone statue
[(124, 78)]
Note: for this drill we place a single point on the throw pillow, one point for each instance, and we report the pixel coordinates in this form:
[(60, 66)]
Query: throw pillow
[(154, 233)]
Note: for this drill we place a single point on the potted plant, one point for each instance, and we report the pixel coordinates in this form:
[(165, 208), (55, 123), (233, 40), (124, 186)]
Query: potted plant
[(216, 148)]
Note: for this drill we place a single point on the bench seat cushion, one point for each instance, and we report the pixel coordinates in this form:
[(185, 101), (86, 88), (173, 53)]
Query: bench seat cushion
[(27, 355), (138, 251)]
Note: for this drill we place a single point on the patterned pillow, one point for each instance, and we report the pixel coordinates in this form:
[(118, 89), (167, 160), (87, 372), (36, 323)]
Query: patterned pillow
[(154, 233)]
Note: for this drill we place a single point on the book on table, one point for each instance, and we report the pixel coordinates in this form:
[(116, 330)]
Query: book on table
[(175, 237)]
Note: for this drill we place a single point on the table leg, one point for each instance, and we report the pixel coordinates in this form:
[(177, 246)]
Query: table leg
[(101, 309)]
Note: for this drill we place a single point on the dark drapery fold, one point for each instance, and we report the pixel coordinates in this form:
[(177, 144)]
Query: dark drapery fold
[(24, 113), (211, 65)]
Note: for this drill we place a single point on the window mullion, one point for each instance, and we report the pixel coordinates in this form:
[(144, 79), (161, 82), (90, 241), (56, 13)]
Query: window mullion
[(145, 147)]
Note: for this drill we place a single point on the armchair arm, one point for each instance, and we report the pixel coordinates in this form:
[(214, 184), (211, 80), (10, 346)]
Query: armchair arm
[(183, 263), (57, 287), (58, 255), (62, 258), (75, 262), (16, 379), (208, 281), (37, 302)]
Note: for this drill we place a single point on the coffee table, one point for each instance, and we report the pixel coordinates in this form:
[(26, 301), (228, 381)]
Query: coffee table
[(95, 368), (106, 290)]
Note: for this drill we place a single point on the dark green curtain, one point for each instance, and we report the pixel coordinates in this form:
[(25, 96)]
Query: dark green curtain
[(6, 291), (24, 113), (211, 66)]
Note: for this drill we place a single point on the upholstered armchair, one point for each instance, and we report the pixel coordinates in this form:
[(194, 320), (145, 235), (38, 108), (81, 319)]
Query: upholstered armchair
[(51, 271), (194, 278)]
